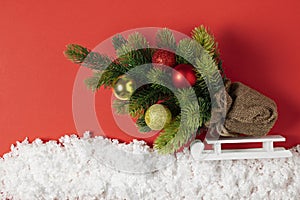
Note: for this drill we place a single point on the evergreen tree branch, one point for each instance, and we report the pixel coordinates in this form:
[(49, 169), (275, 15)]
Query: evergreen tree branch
[(92, 82), (141, 124), (203, 36), (165, 39), (96, 61), (162, 79), (121, 106), (137, 41), (76, 53), (108, 78), (118, 41), (205, 111), (184, 126), (81, 55), (187, 50), (134, 58), (143, 98), (164, 143), (174, 136), (209, 71), (172, 104), (139, 73)]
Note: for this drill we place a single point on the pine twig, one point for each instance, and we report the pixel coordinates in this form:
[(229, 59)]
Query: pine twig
[(203, 36), (76, 53), (92, 82), (187, 50), (183, 127), (118, 41), (141, 124), (209, 71), (96, 61), (165, 39), (121, 106)]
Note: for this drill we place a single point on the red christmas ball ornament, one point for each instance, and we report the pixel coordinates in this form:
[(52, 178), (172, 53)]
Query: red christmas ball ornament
[(162, 58), (184, 76)]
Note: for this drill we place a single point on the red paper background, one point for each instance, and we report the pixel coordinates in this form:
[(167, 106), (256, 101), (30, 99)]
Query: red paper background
[(258, 41)]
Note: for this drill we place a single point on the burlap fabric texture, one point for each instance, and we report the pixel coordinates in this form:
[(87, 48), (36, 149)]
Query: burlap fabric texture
[(248, 111)]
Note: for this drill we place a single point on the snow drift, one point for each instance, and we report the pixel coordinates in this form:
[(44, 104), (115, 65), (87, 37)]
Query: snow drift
[(77, 168)]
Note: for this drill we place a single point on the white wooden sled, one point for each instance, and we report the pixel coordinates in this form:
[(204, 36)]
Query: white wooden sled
[(217, 153)]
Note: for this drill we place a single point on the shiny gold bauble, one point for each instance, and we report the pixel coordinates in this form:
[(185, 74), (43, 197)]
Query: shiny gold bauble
[(124, 87), (157, 117)]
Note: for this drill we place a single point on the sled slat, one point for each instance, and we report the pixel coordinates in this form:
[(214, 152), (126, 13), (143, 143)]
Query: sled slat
[(237, 154), (223, 140)]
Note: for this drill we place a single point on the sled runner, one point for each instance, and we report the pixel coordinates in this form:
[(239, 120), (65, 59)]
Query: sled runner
[(217, 153)]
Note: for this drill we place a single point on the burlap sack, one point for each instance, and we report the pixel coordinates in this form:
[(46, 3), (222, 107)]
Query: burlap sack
[(250, 112)]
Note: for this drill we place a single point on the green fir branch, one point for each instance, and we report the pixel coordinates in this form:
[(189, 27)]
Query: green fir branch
[(173, 105), (137, 41), (109, 77), (135, 58), (135, 51), (187, 50), (165, 39), (92, 82), (118, 41), (96, 61), (143, 98), (139, 73), (189, 107), (184, 126), (142, 126), (81, 55), (174, 136), (209, 71), (190, 115), (200, 86), (185, 95), (123, 50), (121, 107), (76, 53), (205, 111), (164, 143), (160, 78), (203, 36)]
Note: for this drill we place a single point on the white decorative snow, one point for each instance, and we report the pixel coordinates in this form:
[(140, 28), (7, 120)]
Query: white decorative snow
[(98, 168)]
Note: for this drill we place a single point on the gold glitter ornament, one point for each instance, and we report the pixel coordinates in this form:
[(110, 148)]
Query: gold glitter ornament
[(124, 87), (157, 116)]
